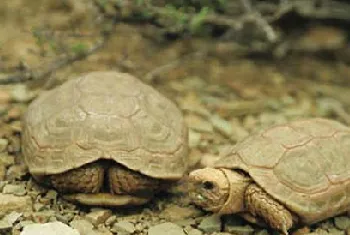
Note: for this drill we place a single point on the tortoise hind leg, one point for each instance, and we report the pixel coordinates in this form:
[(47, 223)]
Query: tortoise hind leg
[(125, 181), (86, 179)]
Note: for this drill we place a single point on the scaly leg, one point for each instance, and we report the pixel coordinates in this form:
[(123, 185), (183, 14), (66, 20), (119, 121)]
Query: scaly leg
[(262, 205), (125, 181), (86, 179)]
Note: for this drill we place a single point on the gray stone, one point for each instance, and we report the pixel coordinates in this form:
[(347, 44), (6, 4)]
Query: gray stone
[(5, 225), (223, 126), (210, 224), (54, 228), (6, 159), (3, 144), (111, 220), (98, 216), (20, 93), (84, 227), (334, 231), (342, 222), (15, 189), (166, 228), (43, 216), (12, 217), (123, 228), (240, 230), (23, 223), (175, 213), (194, 138), (9, 202), (262, 232), (194, 232), (198, 123)]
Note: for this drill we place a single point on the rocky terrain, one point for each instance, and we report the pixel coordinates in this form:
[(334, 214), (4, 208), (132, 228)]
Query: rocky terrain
[(223, 98)]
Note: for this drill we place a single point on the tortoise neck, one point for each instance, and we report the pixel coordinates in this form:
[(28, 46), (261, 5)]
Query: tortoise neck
[(238, 184)]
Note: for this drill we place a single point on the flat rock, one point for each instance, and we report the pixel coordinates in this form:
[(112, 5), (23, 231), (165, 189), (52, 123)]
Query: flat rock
[(194, 232), (342, 222), (198, 123), (84, 227), (16, 189), (43, 216), (123, 228), (54, 228), (221, 125), (210, 224), (263, 232), (12, 217), (194, 138), (166, 228), (175, 213), (5, 97), (240, 230), (20, 93), (5, 225), (9, 203), (98, 216), (3, 144)]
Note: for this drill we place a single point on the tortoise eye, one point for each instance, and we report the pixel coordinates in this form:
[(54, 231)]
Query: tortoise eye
[(208, 185)]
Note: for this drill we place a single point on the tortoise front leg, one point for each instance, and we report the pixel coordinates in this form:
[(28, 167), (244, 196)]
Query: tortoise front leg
[(260, 204)]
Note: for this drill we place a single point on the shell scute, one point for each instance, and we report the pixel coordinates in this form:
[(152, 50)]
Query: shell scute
[(105, 115), (303, 164)]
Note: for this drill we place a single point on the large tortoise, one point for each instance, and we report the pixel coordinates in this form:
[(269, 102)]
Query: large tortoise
[(288, 174), (105, 138)]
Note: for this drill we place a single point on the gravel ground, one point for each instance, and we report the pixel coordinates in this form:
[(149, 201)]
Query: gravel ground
[(223, 100)]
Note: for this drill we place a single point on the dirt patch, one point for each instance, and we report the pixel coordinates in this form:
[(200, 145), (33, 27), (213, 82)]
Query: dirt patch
[(223, 98)]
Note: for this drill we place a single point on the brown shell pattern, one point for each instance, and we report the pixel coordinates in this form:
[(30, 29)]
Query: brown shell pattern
[(105, 115), (304, 164)]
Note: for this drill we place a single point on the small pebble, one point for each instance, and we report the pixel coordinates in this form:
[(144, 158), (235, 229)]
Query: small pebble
[(262, 232), (223, 126), (342, 222), (3, 144), (43, 216), (111, 220), (98, 216), (176, 213), (166, 228), (210, 224), (10, 202), (15, 189), (83, 226), (194, 232), (198, 123), (194, 138), (123, 228), (12, 217), (5, 225), (240, 230), (5, 97), (54, 228), (20, 93)]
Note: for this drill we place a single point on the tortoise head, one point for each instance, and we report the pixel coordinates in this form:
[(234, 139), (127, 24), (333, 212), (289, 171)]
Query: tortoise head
[(218, 190)]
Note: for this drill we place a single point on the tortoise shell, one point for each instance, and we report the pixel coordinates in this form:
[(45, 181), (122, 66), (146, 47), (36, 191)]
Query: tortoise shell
[(304, 164), (105, 115)]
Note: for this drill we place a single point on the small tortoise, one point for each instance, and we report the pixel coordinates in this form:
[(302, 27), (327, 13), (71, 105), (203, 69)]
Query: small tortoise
[(105, 138), (294, 173)]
